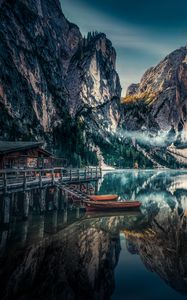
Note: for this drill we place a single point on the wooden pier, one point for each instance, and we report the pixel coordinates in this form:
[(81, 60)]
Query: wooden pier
[(25, 190), (23, 180)]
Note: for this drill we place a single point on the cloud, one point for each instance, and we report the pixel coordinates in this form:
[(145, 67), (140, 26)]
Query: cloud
[(121, 34)]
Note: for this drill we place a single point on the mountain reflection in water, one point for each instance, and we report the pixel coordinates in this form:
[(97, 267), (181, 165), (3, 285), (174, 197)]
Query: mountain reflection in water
[(70, 255)]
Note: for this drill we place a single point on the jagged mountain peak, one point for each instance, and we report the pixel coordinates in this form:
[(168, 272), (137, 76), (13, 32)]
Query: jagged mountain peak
[(98, 41), (157, 107), (52, 77), (161, 94)]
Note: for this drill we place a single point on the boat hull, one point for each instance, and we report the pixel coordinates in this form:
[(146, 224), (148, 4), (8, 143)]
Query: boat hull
[(103, 197), (112, 206)]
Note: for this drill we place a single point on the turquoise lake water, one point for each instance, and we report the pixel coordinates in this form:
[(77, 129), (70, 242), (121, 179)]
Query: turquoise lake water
[(70, 254)]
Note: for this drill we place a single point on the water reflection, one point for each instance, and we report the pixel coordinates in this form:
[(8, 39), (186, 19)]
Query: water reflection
[(76, 263), (68, 254)]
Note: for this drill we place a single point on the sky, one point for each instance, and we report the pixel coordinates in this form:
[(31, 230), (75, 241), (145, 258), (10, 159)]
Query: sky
[(143, 32)]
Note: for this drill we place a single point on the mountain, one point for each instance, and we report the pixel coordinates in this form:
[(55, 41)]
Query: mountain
[(161, 95), (156, 108), (55, 84), (63, 88)]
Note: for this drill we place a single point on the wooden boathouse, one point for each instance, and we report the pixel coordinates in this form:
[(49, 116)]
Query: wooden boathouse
[(23, 155), (26, 167)]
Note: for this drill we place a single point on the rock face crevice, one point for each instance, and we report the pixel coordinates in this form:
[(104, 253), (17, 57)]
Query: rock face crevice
[(50, 73)]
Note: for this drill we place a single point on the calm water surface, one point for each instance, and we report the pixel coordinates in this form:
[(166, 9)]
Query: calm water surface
[(67, 254)]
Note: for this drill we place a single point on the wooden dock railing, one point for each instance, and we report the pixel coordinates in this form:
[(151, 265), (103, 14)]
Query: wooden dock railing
[(11, 179)]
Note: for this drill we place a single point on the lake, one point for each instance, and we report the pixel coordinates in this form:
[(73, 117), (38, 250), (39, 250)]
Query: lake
[(70, 254)]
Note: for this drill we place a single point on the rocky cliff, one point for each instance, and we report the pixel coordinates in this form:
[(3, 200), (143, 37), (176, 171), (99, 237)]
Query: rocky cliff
[(54, 84), (161, 92), (157, 106)]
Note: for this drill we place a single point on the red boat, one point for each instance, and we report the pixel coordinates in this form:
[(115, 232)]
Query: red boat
[(103, 197), (111, 206)]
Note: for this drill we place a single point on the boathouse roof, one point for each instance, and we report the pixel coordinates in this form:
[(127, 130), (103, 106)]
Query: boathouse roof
[(7, 147)]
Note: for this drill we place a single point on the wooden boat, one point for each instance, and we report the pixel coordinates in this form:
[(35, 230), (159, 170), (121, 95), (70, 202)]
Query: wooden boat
[(103, 197), (111, 206)]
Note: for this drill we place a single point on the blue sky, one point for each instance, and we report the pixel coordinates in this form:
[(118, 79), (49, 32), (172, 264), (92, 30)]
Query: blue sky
[(142, 32)]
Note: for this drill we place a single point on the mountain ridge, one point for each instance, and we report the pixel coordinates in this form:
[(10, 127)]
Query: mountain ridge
[(50, 74), (157, 107)]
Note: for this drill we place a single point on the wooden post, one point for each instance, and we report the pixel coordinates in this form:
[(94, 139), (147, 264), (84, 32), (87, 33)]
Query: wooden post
[(40, 228), (12, 204), (65, 215), (85, 174), (15, 204), (55, 199), (6, 209), (5, 181), (62, 199), (42, 201), (54, 221), (24, 232), (31, 200), (26, 201), (4, 237), (61, 174), (41, 183), (25, 181), (66, 198), (53, 177)]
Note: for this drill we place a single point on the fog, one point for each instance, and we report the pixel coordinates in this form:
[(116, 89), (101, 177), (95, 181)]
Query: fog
[(159, 139)]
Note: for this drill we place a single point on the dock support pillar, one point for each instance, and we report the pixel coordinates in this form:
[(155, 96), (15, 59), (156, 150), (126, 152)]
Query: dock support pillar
[(54, 221), (42, 201), (26, 200), (6, 208), (61, 200), (66, 199), (65, 216), (55, 198)]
